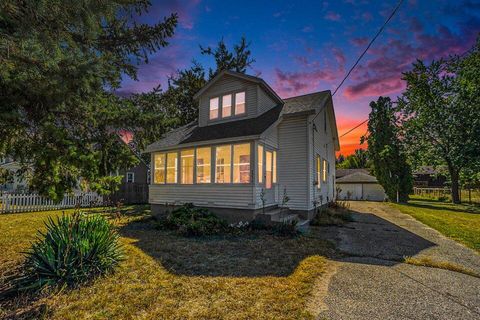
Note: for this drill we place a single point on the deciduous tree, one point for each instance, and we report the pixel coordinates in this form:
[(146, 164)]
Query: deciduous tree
[(441, 113)]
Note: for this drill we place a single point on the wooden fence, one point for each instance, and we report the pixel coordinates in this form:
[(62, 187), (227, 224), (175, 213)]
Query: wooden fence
[(466, 195), (27, 202)]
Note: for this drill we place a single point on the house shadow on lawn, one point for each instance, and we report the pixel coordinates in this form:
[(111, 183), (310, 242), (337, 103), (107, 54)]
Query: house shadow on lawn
[(259, 253)]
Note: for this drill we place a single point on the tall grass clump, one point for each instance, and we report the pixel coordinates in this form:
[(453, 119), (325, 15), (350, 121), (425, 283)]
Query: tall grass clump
[(73, 249)]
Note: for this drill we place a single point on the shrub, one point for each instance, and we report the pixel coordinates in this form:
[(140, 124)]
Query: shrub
[(286, 229), (73, 249), (190, 221), (332, 217)]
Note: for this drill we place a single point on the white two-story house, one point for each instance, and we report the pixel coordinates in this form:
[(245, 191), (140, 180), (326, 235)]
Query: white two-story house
[(247, 151)]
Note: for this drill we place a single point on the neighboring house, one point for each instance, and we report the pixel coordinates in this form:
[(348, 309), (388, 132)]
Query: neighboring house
[(248, 145), (429, 177), (358, 184), (134, 186), (16, 183)]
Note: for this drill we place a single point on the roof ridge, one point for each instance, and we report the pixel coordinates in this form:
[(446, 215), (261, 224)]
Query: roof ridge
[(307, 94)]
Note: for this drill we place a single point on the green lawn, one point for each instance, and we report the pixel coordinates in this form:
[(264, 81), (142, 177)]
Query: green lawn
[(165, 276), (459, 222)]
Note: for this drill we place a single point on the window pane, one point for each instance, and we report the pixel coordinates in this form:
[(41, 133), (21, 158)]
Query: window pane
[(213, 108), (260, 164), (240, 103), (318, 172), (324, 170), (204, 156), (227, 105), (172, 166), (268, 169), (159, 176), (223, 169), (187, 166), (241, 163), (274, 167)]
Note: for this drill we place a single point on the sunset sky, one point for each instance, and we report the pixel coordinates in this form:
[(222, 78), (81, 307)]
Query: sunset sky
[(307, 46)]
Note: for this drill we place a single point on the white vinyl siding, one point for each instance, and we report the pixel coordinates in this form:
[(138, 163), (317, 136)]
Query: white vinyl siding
[(211, 195), (292, 161)]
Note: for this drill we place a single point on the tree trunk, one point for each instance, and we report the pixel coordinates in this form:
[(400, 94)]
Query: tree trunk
[(455, 189)]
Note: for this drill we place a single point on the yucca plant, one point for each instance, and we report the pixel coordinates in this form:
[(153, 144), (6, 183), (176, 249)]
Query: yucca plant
[(73, 249)]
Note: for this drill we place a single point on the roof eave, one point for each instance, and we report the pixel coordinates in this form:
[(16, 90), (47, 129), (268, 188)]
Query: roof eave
[(202, 143)]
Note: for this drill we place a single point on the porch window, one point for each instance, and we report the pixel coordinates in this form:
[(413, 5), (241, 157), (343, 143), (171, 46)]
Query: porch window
[(319, 171), (274, 169), (324, 170), (214, 108), (204, 169), (241, 163), (187, 166), (223, 164), (240, 103), (260, 163), (227, 106), (268, 169), (172, 167), (159, 174)]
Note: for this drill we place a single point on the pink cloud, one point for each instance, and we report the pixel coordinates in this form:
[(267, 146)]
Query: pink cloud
[(339, 56), (185, 9), (332, 16), (381, 75), (359, 42)]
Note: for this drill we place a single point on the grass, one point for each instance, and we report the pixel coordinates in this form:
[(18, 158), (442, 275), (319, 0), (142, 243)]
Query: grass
[(428, 262), (459, 222), (254, 275)]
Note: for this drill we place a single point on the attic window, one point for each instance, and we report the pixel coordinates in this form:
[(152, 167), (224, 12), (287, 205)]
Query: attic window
[(227, 105), (240, 103), (214, 108)]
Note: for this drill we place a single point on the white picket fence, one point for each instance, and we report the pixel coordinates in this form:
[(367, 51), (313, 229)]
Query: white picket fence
[(28, 202)]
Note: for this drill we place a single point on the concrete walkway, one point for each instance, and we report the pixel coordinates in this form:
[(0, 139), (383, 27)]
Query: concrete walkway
[(371, 282)]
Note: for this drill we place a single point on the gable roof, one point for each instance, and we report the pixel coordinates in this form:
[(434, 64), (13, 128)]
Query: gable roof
[(345, 172), (357, 177), (243, 76), (191, 132)]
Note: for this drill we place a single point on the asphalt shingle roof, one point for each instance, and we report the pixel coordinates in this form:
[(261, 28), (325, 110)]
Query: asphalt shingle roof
[(357, 177), (247, 127)]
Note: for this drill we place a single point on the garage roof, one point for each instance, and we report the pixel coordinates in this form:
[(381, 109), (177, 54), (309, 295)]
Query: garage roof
[(357, 177)]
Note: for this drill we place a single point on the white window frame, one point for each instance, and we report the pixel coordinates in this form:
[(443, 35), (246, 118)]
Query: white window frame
[(128, 175)]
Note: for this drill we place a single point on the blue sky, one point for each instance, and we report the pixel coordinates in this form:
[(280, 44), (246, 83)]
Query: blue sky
[(307, 46)]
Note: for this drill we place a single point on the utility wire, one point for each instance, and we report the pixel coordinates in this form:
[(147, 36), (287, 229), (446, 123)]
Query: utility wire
[(369, 45), (358, 125), (361, 56)]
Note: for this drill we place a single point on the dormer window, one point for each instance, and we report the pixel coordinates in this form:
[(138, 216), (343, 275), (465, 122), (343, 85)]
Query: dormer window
[(227, 106), (240, 103), (231, 104), (214, 108)]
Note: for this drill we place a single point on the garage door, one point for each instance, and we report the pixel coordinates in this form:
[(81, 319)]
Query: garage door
[(350, 191), (358, 191), (374, 192)]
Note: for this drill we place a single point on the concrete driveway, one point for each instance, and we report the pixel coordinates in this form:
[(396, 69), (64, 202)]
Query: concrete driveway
[(371, 282)]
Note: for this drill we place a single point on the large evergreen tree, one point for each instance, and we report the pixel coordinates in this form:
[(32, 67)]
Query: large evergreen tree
[(441, 113), (59, 62), (386, 152)]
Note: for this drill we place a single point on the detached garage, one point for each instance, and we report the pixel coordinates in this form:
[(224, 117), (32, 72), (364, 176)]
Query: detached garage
[(358, 184)]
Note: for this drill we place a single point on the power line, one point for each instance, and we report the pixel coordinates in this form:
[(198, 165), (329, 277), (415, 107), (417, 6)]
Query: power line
[(358, 125), (361, 56), (369, 45)]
